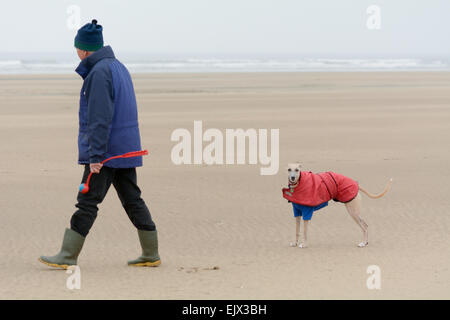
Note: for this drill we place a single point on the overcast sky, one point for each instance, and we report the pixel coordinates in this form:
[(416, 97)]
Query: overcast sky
[(316, 28)]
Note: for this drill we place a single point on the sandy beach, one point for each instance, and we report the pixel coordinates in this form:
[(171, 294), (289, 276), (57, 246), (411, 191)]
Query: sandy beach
[(224, 231)]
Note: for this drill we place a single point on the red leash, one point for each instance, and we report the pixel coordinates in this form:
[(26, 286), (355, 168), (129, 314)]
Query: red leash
[(84, 187)]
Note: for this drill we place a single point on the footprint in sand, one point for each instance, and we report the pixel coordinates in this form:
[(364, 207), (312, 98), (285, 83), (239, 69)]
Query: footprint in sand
[(196, 269)]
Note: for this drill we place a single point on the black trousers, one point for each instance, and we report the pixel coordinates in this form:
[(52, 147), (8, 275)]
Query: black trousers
[(125, 183)]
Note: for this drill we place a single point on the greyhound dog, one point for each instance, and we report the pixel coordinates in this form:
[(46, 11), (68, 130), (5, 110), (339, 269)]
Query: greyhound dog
[(353, 206)]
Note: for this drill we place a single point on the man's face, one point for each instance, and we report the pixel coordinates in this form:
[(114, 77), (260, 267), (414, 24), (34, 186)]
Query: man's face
[(82, 54)]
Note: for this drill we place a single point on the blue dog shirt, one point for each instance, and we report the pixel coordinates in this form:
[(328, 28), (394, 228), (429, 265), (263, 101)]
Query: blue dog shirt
[(306, 211)]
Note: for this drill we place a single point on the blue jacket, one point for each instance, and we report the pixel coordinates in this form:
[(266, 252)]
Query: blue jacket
[(108, 112)]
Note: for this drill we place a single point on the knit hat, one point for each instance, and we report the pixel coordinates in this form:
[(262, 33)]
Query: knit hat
[(89, 37)]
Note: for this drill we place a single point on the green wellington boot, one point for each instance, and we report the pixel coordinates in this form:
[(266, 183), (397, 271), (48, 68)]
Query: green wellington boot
[(70, 249), (149, 244)]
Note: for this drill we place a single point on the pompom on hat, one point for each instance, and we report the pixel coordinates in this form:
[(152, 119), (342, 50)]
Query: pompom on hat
[(89, 37)]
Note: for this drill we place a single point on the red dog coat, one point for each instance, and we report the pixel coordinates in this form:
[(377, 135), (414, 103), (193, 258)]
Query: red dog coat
[(316, 188)]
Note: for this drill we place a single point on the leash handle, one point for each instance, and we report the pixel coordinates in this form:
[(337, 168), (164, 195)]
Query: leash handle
[(128, 155)]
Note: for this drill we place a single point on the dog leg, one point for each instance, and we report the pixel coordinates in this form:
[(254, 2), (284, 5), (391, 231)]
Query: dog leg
[(297, 232), (354, 209), (304, 243)]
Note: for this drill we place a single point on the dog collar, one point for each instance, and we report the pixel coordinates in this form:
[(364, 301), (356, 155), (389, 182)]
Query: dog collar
[(292, 186)]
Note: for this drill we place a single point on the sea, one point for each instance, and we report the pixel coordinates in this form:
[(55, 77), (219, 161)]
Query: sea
[(46, 63)]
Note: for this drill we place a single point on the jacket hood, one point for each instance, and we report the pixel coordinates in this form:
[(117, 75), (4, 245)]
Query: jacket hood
[(86, 64)]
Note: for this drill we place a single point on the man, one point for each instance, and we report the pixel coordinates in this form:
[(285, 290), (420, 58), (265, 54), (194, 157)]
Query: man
[(108, 123)]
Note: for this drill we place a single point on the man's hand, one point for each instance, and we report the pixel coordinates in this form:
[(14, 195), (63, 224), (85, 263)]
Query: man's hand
[(95, 167)]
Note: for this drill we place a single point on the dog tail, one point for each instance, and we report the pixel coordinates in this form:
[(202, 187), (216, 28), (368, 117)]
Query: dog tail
[(376, 196)]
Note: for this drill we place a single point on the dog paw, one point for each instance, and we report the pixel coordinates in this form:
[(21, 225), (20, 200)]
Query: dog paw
[(292, 244), (303, 245), (363, 244)]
